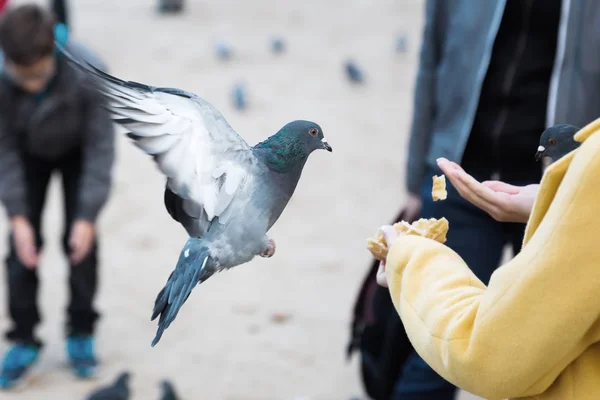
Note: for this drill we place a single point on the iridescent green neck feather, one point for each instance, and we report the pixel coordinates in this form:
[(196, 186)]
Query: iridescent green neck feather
[(284, 152)]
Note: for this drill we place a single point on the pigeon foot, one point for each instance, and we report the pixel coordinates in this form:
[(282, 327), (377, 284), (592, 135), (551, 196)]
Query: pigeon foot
[(270, 250)]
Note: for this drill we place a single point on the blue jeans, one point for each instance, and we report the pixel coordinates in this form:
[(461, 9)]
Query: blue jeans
[(480, 241)]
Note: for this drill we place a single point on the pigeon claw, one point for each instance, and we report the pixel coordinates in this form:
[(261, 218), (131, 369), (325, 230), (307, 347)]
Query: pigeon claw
[(270, 250)]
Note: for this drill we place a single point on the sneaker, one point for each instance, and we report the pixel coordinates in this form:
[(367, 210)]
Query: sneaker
[(17, 361), (80, 350)]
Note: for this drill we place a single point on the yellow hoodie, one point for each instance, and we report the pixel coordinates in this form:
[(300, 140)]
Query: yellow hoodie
[(533, 332)]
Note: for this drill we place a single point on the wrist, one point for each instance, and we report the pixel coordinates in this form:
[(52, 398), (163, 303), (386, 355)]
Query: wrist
[(18, 220)]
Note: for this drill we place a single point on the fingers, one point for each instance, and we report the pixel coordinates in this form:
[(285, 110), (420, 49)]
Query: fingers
[(390, 234), (26, 251), (79, 250), (28, 256), (499, 186), (472, 190), (80, 247), (381, 277)]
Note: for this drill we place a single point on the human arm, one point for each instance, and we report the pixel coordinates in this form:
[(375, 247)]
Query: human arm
[(98, 158), (13, 195), (12, 181), (96, 180), (515, 336)]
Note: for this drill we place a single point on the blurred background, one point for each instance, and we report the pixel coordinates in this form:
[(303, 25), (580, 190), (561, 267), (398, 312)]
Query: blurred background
[(274, 328)]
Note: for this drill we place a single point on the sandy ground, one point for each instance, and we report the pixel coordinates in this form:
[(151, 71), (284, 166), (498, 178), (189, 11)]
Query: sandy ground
[(224, 345)]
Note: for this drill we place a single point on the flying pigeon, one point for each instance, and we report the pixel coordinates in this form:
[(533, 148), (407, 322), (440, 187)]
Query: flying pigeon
[(353, 72), (119, 390), (224, 192), (168, 391), (557, 141)]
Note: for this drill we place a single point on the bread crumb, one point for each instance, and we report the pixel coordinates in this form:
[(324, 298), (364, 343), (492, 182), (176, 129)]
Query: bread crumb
[(438, 191)]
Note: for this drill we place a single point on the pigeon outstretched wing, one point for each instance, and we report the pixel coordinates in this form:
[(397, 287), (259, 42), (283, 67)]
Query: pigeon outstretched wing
[(205, 161)]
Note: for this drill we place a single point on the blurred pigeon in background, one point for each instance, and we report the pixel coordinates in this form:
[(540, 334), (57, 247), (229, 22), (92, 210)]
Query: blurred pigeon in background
[(353, 72), (401, 44), (238, 96), (277, 45), (225, 193), (168, 391), (170, 6), (119, 390), (556, 142), (223, 50)]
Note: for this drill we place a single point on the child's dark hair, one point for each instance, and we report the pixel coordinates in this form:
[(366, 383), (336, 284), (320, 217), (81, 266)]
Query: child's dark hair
[(27, 34)]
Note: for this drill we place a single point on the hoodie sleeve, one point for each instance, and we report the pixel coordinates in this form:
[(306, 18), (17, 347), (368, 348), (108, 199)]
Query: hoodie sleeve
[(98, 142), (12, 183), (423, 102), (98, 157), (515, 336)]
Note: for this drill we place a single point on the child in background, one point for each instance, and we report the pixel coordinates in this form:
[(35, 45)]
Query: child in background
[(49, 122)]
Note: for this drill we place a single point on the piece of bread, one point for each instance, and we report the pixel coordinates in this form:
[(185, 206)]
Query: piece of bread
[(435, 229), (438, 191)]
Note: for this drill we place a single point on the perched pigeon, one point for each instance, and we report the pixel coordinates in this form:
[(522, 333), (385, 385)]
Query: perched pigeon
[(556, 142), (119, 390), (223, 50), (277, 45), (354, 74), (168, 391), (225, 193), (238, 95)]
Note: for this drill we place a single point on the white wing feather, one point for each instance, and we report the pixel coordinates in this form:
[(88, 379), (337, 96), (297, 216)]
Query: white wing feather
[(204, 159)]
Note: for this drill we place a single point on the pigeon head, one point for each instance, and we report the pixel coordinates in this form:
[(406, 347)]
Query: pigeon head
[(307, 133), (557, 141), (291, 146)]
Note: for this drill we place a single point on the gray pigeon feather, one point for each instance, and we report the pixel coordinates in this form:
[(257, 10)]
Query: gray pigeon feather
[(225, 193)]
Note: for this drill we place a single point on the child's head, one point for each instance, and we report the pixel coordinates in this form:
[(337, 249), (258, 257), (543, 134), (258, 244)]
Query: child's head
[(27, 40)]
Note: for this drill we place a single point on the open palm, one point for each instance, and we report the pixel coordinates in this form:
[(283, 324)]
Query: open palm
[(503, 202)]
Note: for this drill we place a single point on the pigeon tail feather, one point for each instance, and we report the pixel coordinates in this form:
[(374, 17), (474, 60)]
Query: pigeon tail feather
[(193, 267)]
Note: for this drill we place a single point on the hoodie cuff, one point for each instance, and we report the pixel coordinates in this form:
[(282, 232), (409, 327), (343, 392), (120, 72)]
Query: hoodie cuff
[(15, 207)]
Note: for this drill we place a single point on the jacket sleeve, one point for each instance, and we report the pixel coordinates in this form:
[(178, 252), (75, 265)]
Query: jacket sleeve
[(515, 336), (98, 157), (12, 184), (423, 102)]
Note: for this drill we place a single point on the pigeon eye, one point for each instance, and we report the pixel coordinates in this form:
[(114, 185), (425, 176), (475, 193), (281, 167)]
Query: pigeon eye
[(313, 131), (552, 141)]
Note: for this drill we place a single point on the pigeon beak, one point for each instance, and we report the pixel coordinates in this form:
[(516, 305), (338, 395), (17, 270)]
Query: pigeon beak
[(540, 153), (326, 145)]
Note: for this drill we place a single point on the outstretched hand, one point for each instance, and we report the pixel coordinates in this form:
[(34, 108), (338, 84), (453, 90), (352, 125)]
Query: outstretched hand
[(503, 202)]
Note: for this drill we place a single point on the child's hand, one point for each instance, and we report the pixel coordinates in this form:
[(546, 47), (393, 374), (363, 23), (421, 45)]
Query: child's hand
[(390, 234), (81, 240), (24, 241)]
